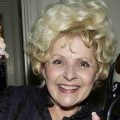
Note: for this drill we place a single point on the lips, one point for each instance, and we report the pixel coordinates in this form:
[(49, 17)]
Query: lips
[(68, 88)]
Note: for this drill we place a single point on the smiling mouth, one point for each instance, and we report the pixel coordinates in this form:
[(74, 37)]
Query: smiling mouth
[(68, 88)]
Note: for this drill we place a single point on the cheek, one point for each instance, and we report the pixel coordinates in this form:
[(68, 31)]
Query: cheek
[(88, 77), (53, 72)]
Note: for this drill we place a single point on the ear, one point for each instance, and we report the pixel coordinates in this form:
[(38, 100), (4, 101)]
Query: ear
[(96, 76), (43, 72)]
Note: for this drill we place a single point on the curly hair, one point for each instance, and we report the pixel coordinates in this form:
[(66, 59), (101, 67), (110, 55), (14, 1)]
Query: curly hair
[(86, 18)]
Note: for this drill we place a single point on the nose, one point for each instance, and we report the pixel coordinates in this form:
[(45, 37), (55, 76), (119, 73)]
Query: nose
[(70, 73)]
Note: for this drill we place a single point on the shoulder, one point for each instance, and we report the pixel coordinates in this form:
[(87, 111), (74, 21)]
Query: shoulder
[(15, 95), (22, 101), (85, 112)]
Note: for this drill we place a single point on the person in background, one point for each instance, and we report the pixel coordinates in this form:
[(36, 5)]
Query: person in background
[(72, 46), (2, 45), (2, 63)]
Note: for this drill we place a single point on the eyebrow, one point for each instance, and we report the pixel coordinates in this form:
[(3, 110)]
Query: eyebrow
[(83, 58), (87, 59)]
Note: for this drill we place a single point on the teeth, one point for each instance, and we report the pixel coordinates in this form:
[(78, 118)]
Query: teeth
[(69, 87)]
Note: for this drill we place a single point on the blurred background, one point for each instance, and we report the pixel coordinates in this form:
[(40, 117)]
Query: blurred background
[(16, 18)]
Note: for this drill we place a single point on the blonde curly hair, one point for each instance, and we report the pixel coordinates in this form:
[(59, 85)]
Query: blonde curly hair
[(86, 18)]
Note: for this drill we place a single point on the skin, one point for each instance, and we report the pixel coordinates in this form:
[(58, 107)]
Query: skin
[(70, 74)]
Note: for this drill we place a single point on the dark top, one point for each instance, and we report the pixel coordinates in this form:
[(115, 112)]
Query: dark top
[(31, 103)]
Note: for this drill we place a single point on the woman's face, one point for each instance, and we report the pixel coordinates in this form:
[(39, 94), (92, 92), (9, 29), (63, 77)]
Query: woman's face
[(70, 72)]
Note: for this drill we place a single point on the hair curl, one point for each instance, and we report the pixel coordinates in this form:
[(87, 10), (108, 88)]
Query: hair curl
[(86, 18)]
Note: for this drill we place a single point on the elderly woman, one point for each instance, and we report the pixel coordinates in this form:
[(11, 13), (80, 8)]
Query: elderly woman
[(72, 46)]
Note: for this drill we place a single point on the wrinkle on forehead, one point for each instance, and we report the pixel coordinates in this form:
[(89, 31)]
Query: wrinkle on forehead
[(68, 41)]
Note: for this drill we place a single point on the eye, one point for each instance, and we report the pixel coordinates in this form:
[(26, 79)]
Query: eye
[(57, 61), (84, 64)]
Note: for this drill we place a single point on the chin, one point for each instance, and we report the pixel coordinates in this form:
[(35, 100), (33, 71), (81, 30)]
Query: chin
[(67, 104)]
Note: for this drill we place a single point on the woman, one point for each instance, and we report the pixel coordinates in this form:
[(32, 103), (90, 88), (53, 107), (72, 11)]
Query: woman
[(72, 46)]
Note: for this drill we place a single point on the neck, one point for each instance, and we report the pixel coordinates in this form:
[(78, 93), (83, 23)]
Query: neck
[(57, 113)]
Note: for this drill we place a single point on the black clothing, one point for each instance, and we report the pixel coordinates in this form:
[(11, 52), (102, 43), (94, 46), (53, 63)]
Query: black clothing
[(2, 75), (31, 103)]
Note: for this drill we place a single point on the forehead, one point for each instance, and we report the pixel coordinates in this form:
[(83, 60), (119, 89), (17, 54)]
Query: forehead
[(74, 45)]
